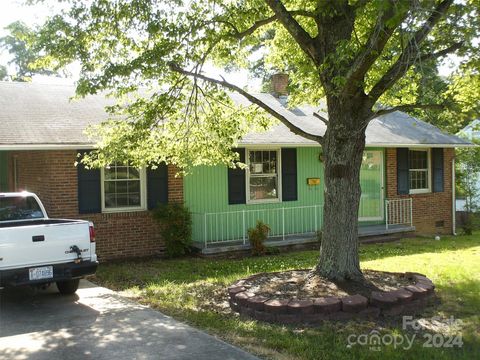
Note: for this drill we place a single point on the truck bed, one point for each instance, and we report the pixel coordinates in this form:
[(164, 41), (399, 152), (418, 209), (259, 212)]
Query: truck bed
[(30, 243), (37, 222)]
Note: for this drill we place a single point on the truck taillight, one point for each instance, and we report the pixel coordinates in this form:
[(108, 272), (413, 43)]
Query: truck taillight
[(92, 232)]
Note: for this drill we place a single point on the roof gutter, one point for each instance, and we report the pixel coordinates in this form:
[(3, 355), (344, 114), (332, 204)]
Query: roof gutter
[(313, 144), (13, 147), (83, 146)]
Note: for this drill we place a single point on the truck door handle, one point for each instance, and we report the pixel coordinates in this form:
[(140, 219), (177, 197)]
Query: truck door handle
[(38, 238)]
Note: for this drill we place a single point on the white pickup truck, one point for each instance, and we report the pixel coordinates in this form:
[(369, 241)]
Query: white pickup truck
[(36, 250)]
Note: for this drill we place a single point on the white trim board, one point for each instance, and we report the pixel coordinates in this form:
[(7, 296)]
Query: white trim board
[(47, 147), (143, 194), (248, 201), (83, 146)]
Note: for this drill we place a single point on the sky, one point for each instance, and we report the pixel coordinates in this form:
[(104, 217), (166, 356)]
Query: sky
[(13, 10)]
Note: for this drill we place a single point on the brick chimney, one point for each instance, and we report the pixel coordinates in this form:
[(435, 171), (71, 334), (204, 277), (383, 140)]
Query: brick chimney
[(279, 84)]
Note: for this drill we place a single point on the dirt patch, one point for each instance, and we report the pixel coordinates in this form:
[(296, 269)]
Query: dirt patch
[(299, 284)]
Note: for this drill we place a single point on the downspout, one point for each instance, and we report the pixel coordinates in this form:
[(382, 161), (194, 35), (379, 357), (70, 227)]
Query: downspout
[(454, 201)]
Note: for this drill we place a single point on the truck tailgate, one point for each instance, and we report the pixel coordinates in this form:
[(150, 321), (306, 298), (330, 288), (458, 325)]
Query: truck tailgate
[(34, 245)]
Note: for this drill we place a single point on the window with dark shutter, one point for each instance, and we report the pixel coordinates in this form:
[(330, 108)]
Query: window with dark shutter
[(157, 186), (236, 181), (437, 169), (403, 173), (123, 188), (89, 190), (289, 174)]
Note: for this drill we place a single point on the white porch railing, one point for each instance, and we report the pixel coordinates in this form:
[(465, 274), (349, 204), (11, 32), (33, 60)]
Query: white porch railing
[(398, 212), (233, 225)]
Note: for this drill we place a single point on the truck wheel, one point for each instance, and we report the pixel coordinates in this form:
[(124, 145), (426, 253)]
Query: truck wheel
[(68, 287)]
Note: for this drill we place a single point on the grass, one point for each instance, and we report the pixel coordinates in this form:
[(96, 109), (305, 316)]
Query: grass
[(192, 290)]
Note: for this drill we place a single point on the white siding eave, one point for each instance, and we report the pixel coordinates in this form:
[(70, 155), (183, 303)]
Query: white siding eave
[(13, 147)]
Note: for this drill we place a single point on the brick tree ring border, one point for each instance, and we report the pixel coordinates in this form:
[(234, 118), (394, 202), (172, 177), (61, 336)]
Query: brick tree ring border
[(407, 300)]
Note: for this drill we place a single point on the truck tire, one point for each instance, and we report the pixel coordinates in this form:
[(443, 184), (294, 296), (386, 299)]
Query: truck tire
[(68, 287)]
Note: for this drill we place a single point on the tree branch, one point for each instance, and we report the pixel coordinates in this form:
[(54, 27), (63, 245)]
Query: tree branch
[(254, 27), (410, 53), (302, 37), (452, 48), (405, 107), (295, 129), (320, 117), (374, 46), (259, 23)]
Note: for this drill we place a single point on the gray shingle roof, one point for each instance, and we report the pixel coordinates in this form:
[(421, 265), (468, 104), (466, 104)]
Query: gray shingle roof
[(393, 129), (38, 115), (44, 114)]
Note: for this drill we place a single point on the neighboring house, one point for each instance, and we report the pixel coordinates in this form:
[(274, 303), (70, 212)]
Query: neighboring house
[(406, 176), (470, 132)]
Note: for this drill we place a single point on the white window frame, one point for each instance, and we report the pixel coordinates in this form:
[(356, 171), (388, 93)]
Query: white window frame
[(143, 194), (429, 174), (279, 175)]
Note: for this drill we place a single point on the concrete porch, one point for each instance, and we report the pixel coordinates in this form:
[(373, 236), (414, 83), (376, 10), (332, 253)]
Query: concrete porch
[(366, 233)]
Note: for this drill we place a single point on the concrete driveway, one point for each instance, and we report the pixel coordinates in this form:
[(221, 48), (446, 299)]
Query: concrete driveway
[(97, 323)]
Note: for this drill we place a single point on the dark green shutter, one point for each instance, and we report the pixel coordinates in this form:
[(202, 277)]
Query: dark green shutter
[(3, 171), (157, 186), (437, 167), (236, 182), (403, 173), (289, 174), (89, 190)]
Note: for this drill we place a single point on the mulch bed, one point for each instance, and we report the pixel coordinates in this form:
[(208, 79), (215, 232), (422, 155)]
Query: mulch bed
[(297, 296), (297, 284)]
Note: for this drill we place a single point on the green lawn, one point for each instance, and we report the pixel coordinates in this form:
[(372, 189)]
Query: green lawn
[(191, 289)]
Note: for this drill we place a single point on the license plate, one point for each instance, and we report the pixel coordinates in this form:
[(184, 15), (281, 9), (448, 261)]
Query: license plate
[(44, 272)]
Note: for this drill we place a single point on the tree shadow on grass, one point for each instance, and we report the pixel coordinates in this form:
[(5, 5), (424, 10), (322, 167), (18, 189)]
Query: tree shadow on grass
[(328, 340), (460, 298), (415, 246), (141, 273)]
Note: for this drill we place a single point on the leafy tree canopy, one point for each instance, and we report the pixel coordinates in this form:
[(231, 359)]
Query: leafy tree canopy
[(355, 53), (16, 43), (125, 46), (458, 92), (3, 73)]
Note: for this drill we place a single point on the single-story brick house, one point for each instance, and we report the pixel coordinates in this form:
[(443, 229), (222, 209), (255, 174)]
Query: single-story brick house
[(407, 177)]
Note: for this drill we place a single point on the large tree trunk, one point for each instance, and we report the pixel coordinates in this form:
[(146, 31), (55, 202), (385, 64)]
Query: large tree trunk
[(343, 147)]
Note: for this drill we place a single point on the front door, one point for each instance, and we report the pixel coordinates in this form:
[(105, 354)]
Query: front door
[(371, 181)]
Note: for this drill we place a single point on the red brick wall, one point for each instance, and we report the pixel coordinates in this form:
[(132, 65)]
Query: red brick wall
[(175, 185), (429, 208), (53, 177)]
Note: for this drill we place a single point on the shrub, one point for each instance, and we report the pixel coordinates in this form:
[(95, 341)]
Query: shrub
[(469, 222), (176, 228), (257, 237), (272, 250)]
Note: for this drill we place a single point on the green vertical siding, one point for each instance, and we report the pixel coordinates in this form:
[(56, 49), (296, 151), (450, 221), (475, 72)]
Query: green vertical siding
[(205, 189), (206, 192), (3, 171)]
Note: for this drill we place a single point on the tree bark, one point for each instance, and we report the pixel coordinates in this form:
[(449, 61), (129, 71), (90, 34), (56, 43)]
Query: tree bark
[(343, 146)]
